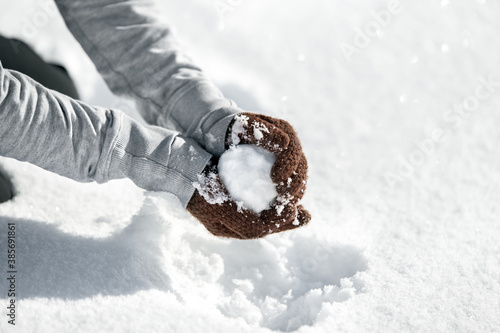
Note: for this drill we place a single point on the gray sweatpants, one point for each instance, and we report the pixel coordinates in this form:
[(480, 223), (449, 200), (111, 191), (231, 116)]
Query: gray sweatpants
[(138, 57)]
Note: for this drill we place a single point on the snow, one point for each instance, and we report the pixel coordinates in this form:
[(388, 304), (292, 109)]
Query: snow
[(245, 171), (403, 181), (209, 186), (238, 128)]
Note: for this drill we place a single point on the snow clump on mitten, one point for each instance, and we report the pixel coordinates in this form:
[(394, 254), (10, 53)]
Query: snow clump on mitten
[(245, 171)]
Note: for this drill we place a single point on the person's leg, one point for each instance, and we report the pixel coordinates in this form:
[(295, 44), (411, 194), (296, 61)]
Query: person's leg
[(18, 56), (5, 190)]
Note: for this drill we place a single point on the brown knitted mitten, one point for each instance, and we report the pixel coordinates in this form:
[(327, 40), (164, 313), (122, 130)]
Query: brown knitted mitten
[(222, 216), (289, 171), (212, 205)]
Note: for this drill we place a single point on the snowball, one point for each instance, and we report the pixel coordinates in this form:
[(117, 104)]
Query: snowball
[(245, 170)]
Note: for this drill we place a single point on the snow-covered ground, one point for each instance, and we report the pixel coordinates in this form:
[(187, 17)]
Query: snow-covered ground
[(397, 106)]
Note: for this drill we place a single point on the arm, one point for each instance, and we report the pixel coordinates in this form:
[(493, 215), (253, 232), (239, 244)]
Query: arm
[(85, 143), (139, 57)]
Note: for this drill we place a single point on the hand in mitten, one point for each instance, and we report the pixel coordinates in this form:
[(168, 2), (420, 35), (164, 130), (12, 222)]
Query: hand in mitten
[(212, 205), (289, 171)]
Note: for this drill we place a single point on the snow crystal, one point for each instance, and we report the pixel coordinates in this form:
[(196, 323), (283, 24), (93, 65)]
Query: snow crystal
[(210, 189), (238, 127), (245, 170), (258, 131)]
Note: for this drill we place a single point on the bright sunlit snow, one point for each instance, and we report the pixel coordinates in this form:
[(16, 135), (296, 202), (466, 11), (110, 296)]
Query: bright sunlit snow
[(396, 104)]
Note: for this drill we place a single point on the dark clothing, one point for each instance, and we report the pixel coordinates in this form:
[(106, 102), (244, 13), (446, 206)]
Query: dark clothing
[(5, 191), (18, 56)]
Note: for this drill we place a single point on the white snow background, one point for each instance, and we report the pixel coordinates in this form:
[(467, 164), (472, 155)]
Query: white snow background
[(403, 144)]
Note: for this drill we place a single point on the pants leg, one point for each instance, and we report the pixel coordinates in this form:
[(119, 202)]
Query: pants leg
[(5, 191), (16, 55)]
